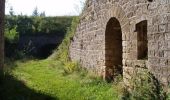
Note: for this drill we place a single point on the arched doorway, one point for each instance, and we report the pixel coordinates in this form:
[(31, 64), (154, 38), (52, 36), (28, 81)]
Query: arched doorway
[(113, 49)]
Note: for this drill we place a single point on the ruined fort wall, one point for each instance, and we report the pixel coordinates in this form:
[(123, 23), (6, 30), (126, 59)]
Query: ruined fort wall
[(88, 44), (159, 40)]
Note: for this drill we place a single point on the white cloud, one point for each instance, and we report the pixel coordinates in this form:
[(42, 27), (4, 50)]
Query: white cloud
[(51, 7)]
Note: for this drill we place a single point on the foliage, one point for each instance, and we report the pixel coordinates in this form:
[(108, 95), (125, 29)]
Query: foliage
[(144, 87), (39, 24), (168, 96), (11, 35)]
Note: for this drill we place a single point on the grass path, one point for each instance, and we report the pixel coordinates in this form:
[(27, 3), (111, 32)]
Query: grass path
[(45, 80)]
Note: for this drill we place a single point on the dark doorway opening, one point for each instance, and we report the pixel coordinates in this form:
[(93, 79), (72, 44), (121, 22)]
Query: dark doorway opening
[(142, 41), (113, 43), (45, 51)]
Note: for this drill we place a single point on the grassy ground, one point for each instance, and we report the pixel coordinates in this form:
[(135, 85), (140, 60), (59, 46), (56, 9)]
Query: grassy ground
[(46, 80)]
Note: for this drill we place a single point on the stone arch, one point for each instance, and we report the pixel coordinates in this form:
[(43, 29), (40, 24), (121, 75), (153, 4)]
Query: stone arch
[(113, 49), (141, 18), (116, 26), (117, 12)]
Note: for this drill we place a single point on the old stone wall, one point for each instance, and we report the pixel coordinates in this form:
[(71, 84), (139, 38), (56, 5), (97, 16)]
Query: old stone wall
[(138, 23)]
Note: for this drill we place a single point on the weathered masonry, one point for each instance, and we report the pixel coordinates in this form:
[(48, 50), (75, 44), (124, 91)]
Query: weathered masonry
[(117, 36)]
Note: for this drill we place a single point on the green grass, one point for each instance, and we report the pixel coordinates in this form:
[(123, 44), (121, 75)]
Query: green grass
[(46, 80)]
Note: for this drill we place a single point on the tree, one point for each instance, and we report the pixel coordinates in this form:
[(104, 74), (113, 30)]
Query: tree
[(2, 16), (35, 12), (42, 14), (11, 11)]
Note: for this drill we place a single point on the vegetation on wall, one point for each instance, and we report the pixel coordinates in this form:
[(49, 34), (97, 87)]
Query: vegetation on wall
[(62, 52)]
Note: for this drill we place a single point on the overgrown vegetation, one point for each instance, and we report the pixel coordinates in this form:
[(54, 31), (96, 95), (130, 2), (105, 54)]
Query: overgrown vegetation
[(144, 86), (62, 53)]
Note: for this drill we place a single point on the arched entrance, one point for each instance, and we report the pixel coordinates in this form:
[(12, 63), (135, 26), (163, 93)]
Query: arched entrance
[(113, 49)]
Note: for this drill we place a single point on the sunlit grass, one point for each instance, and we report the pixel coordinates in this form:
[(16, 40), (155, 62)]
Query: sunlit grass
[(47, 77)]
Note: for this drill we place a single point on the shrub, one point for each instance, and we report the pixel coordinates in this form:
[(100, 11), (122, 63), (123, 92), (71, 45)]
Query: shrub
[(144, 87)]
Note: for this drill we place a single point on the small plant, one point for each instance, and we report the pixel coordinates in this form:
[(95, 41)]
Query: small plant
[(168, 95), (70, 67)]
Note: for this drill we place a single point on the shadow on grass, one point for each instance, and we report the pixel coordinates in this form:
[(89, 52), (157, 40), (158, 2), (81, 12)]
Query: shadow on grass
[(13, 89)]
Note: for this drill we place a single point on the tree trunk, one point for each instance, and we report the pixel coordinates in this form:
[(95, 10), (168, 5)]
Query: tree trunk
[(2, 26)]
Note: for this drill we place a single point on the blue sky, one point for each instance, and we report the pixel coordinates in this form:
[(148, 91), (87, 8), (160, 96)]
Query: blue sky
[(51, 7)]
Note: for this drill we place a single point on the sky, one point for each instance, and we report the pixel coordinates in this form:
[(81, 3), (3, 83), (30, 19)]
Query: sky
[(51, 7)]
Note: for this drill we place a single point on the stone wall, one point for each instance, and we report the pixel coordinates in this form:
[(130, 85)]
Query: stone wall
[(89, 45)]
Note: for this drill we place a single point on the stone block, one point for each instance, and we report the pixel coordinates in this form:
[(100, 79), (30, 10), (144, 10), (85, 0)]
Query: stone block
[(168, 27), (162, 28)]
